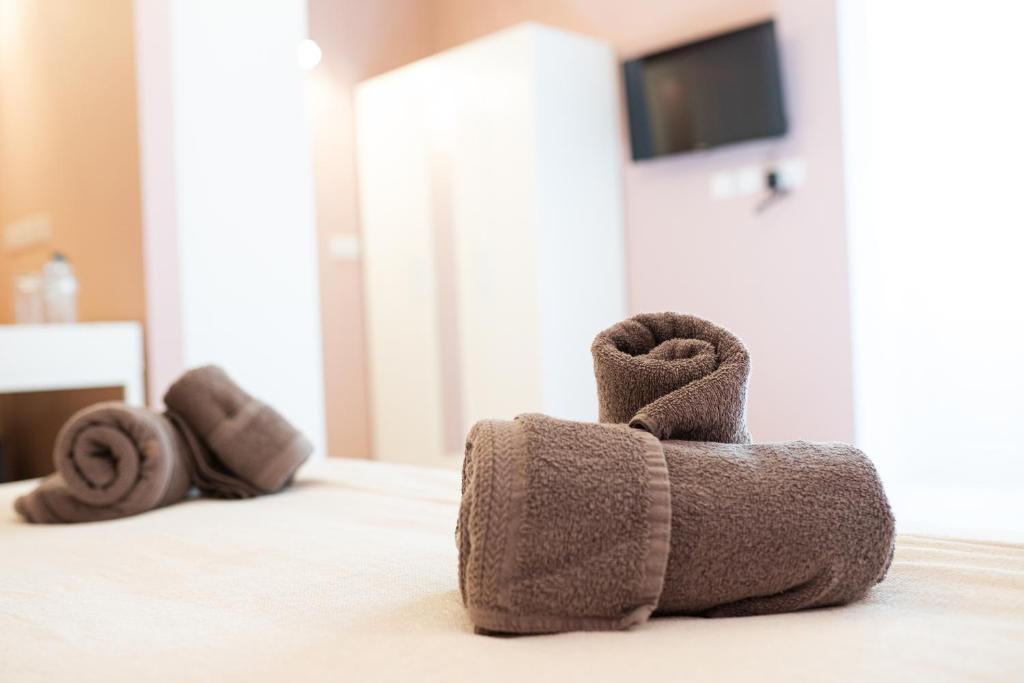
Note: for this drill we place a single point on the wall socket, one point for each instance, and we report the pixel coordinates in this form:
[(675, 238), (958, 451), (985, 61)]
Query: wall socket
[(752, 178), (344, 246), (792, 173), (30, 231)]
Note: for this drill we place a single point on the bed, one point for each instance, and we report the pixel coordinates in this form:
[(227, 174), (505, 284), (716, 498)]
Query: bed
[(351, 575)]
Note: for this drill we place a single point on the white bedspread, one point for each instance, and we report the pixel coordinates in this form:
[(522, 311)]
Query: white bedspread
[(351, 576)]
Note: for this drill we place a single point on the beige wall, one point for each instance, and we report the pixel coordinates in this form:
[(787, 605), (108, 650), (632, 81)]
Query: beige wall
[(69, 147), (778, 279)]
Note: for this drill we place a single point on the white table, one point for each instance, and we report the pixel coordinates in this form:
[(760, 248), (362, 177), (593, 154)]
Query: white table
[(75, 356)]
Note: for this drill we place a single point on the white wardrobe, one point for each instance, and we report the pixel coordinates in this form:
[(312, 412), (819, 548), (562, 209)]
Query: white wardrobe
[(491, 197)]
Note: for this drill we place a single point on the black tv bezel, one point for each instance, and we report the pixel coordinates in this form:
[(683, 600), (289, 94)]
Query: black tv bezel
[(641, 146)]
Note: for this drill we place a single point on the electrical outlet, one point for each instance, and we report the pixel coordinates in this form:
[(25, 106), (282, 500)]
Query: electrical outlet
[(343, 247), (792, 173), (723, 185), (30, 231), (749, 180)]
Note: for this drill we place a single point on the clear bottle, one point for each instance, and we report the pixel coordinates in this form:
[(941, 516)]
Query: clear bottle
[(60, 290), (28, 299)]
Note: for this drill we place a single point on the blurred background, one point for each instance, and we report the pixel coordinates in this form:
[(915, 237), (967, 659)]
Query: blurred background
[(392, 218)]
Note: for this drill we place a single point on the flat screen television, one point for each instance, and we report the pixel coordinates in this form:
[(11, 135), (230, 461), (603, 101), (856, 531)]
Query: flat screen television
[(715, 91)]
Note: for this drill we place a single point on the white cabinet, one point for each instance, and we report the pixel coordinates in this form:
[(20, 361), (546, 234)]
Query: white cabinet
[(78, 356), (491, 196)]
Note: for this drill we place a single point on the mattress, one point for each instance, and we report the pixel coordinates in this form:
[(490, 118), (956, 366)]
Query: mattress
[(351, 575)]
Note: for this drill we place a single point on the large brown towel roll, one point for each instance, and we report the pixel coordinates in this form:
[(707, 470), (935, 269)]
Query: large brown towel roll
[(675, 376), (245, 447), (112, 461), (569, 526)]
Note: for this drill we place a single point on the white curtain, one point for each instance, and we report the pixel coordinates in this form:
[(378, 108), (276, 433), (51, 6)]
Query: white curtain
[(933, 118)]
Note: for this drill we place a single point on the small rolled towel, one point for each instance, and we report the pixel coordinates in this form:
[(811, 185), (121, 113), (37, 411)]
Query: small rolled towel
[(112, 461), (244, 447), (574, 526), (675, 376)]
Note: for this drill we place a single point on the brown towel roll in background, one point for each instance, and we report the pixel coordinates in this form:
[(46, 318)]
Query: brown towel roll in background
[(563, 526), (249, 447), (675, 376), (112, 461)]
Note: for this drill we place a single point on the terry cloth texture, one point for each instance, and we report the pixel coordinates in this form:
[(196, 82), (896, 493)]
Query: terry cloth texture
[(675, 376), (244, 447), (565, 526), (778, 527), (112, 461), (562, 527)]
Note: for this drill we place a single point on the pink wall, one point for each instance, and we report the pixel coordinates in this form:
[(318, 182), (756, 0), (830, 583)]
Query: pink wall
[(164, 339), (359, 39), (778, 279)]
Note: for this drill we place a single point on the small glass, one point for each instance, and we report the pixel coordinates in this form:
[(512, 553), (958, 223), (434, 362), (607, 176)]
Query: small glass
[(29, 307)]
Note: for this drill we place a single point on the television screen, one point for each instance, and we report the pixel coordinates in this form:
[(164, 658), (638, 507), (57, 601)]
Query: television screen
[(711, 92)]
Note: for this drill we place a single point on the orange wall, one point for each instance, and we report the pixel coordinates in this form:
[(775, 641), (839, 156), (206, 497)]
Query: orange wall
[(69, 147)]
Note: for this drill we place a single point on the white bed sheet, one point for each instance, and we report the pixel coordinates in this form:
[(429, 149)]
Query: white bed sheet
[(351, 575)]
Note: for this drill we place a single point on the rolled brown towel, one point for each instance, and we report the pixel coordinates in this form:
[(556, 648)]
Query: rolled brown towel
[(675, 376), (576, 526), (244, 447), (112, 461)]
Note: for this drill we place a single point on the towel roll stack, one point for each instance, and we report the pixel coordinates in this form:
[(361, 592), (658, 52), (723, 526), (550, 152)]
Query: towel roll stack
[(664, 507), (575, 526), (114, 460)]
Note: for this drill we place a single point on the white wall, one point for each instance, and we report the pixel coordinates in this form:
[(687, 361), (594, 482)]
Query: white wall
[(242, 191), (934, 128), (581, 260)]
